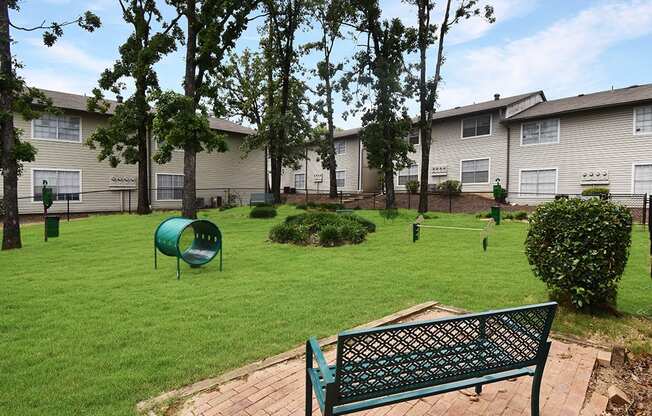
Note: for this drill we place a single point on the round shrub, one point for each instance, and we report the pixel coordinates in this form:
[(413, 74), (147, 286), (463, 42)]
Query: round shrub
[(412, 187), (262, 212), (450, 187), (323, 228), (579, 248)]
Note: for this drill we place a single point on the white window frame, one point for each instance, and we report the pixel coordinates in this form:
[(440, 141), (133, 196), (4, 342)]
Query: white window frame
[(343, 141), (541, 144), (491, 126), (305, 178), (341, 170), (57, 170), (156, 192), (520, 182), (81, 129), (398, 174), (418, 143), (475, 160), (634, 122), (634, 172)]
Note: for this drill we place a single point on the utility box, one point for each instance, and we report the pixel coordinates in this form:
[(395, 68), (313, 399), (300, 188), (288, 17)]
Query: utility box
[(52, 226)]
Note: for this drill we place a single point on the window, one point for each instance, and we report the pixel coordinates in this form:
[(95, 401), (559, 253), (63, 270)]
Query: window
[(413, 137), (299, 180), (540, 132), (534, 182), (476, 126), (340, 176), (411, 173), (169, 187), (643, 120), (65, 184), (643, 179), (340, 147), (475, 171), (52, 127)]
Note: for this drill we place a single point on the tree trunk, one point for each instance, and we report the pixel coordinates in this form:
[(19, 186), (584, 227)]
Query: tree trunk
[(276, 178), (424, 131), (390, 196), (189, 204), (332, 163), (11, 226), (143, 174)]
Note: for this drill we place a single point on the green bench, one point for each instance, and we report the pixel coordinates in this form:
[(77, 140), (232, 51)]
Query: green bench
[(396, 363), (261, 198)]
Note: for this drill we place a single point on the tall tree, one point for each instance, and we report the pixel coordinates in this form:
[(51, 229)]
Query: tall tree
[(124, 138), (331, 15), (213, 28), (380, 69), (242, 89), (17, 98), (285, 121), (428, 35)]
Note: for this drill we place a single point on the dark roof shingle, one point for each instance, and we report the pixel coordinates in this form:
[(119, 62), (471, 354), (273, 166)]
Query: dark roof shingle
[(582, 102), (79, 103)]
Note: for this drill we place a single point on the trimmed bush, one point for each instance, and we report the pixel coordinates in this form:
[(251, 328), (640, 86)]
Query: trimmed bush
[(596, 191), (289, 233), (262, 212), (412, 187), (323, 228), (450, 187), (520, 215), (579, 248)]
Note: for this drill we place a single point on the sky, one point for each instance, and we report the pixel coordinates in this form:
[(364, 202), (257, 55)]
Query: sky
[(563, 47)]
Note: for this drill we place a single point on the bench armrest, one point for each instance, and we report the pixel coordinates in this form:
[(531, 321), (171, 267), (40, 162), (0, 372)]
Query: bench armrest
[(324, 369)]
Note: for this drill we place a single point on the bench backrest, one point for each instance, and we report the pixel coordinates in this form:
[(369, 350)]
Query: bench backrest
[(392, 359)]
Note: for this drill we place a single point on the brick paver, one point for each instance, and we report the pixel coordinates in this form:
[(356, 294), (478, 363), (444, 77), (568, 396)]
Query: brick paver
[(279, 391)]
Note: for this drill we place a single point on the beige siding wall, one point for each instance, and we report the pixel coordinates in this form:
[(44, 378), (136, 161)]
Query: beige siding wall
[(95, 175), (588, 142), (241, 174), (449, 149), (230, 169), (348, 162)]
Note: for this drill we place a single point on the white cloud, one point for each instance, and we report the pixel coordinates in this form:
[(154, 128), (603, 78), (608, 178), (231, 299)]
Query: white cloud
[(67, 54), (560, 59)]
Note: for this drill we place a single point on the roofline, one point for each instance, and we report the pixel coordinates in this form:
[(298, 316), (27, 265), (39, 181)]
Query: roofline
[(515, 117)]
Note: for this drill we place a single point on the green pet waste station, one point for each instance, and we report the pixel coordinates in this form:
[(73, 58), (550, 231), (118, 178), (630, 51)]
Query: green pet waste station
[(205, 245)]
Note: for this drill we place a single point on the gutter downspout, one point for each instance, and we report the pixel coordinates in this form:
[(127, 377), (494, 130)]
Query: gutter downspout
[(509, 140), (359, 164)]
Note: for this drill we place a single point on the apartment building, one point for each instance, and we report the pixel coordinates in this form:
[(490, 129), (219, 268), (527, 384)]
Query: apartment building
[(534, 146), (74, 172)]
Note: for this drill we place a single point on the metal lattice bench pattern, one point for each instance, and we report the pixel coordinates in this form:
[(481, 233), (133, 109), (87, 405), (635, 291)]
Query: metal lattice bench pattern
[(374, 365)]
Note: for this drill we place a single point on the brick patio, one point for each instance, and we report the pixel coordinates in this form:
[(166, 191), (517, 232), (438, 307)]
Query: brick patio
[(279, 391)]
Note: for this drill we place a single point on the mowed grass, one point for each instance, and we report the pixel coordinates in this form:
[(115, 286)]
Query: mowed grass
[(87, 326)]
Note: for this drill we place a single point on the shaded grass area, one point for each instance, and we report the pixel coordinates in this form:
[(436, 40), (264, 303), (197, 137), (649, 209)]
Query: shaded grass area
[(87, 326)]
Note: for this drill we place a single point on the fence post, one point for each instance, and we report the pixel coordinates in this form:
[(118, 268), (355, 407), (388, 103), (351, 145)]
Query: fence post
[(341, 198), (409, 200), (68, 207), (374, 200), (228, 196), (450, 202), (129, 201), (645, 207)]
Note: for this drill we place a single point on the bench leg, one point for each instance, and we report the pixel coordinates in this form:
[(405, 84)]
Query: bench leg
[(536, 382), (308, 381), (478, 389)]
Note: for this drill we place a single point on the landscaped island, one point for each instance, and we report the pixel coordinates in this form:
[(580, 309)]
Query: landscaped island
[(326, 229)]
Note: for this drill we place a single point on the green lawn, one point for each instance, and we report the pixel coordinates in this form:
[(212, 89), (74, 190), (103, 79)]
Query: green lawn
[(87, 326)]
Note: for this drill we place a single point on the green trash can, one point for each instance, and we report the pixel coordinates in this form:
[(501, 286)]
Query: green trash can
[(52, 226), (495, 214)]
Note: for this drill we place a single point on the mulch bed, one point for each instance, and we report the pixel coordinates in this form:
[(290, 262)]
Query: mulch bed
[(635, 379)]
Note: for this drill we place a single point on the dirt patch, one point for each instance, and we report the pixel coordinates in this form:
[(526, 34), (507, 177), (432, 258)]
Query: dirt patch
[(634, 378)]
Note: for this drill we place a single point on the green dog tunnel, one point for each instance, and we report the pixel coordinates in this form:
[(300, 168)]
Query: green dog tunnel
[(196, 242)]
